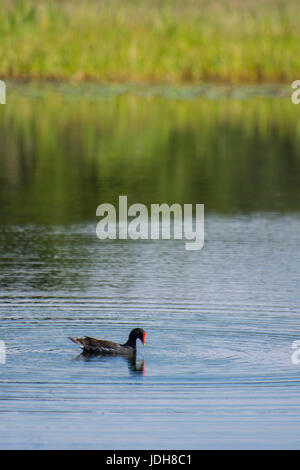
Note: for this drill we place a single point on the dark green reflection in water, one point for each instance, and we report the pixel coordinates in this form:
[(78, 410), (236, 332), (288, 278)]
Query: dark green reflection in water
[(61, 158)]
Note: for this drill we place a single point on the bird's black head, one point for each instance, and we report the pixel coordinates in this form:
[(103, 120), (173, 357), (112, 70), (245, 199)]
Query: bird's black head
[(137, 333)]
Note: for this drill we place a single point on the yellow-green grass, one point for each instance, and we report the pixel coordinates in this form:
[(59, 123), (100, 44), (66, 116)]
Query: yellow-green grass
[(151, 41)]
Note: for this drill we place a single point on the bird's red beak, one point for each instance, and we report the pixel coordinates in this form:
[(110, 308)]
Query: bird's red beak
[(143, 340)]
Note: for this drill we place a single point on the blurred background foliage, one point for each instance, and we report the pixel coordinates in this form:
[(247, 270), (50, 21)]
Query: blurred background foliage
[(169, 41)]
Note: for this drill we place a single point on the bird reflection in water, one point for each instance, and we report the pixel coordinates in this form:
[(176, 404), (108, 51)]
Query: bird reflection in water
[(134, 366)]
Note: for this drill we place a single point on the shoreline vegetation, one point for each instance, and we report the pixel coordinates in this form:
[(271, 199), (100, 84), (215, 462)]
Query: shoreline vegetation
[(150, 41)]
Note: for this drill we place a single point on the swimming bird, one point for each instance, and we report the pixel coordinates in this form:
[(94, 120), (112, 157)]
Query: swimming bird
[(99, 346)]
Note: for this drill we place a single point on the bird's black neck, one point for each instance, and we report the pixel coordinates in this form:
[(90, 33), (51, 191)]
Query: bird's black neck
[(131, 342)]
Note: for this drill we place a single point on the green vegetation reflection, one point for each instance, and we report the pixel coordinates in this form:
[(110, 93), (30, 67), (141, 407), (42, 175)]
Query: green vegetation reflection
[(61, 158)]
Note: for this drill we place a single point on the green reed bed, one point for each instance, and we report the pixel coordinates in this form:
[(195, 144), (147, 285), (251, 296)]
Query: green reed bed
[(150, 41)]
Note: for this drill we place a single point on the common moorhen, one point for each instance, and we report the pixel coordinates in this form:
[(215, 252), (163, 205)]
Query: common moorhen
[(99, 346)]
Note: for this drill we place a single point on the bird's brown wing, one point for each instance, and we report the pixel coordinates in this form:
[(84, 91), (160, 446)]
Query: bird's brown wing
[(97, 345)]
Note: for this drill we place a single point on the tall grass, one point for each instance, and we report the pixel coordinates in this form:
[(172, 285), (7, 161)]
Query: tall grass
[(170, 41)]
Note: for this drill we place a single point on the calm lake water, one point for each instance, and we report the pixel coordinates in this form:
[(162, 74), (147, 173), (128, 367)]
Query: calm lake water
[(216, 371)]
